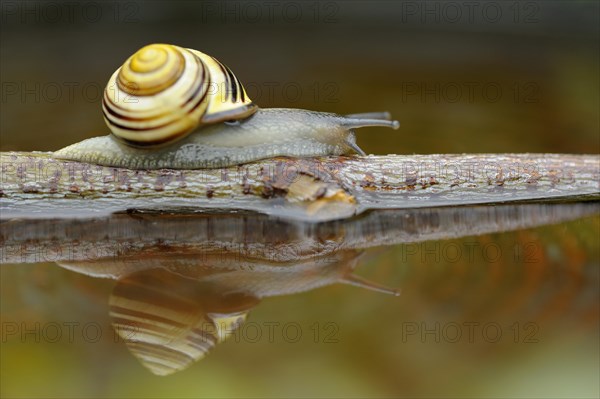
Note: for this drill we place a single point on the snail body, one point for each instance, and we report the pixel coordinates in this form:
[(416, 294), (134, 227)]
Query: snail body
[(265, 134), (169, 107)]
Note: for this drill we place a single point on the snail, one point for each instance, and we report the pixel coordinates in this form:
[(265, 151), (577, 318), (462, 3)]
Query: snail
[(177, 108)]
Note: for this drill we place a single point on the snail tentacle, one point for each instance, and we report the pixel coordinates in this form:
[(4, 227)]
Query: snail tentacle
[(353, 123), (370, 115), (354, 147)]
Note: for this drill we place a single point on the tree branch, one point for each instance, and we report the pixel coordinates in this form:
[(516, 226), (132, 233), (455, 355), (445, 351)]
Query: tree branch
[(36, 185)]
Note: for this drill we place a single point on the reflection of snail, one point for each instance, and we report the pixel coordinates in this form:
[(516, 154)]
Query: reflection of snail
[(172, 310), (168, 321), (163, 93)]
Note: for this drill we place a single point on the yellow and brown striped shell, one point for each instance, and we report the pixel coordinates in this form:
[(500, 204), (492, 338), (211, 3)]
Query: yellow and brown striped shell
[(164, 92), (169, 322)]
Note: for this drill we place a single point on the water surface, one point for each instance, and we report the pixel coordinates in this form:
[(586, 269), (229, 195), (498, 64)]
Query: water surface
[(494, 299)]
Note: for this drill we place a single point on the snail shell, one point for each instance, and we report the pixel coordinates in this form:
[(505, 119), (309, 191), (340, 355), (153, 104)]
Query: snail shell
[(163, 92), (170, 107)]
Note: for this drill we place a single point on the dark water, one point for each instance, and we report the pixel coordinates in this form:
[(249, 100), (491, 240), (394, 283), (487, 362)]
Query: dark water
[(493, 300), (498, 301)]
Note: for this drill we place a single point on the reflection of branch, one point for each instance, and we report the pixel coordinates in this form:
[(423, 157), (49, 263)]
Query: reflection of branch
[(222, 240), (307, 189)]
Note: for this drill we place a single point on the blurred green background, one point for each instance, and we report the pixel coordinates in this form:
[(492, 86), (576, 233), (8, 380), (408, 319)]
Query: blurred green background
[(475, 77)]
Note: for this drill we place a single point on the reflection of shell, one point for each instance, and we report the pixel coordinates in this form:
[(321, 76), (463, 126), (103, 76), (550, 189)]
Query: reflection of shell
[(169, 322)]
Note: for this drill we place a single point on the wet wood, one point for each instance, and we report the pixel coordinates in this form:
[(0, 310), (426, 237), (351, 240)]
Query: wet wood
[(37, 185)]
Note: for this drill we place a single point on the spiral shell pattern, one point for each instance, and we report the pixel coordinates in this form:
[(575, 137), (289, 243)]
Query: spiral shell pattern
[(163, 92), (169, 322)]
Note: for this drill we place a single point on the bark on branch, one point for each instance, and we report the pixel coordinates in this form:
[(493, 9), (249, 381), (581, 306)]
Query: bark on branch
[(33, 184)]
